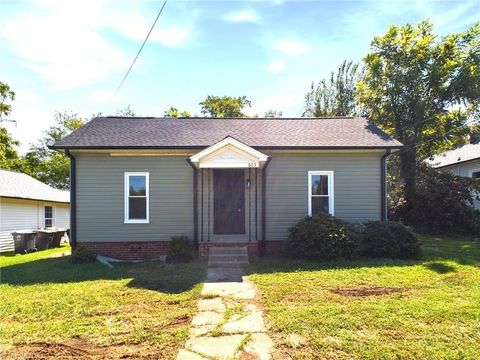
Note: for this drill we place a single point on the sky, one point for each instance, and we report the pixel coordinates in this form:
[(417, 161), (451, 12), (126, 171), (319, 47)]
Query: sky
[(72, 55)]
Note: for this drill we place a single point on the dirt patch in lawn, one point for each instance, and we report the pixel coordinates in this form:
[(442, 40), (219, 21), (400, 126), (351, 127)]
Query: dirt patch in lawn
[(83, 350), (368, 291)]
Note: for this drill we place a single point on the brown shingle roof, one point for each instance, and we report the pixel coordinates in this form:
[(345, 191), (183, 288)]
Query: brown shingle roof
[(127, 132)]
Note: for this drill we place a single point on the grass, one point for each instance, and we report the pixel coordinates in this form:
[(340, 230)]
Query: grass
[(51, 307), (376, 309)]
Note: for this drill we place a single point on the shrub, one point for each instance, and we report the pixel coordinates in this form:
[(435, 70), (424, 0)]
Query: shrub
[(389, 239), (443, 203), (83, 254), (322, 237), (181, 249)]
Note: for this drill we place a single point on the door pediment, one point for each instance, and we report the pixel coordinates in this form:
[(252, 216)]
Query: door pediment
[(229, 153)]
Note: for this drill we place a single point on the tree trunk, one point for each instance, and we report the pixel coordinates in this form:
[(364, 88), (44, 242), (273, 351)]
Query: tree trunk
[(408, 170)]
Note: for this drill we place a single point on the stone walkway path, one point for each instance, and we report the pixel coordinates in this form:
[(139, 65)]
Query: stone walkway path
[(228, 324)]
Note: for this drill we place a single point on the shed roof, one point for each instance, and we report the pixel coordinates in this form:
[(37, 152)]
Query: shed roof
[(18, 185), (467, 152), (142, 133)]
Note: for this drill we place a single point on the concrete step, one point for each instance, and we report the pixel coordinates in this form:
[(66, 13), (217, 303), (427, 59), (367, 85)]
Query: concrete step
[(228, 251), (227, 264), (228, 257)]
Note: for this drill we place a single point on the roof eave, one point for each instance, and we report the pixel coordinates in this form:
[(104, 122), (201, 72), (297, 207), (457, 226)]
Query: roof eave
[(263, 147), (34, 199)]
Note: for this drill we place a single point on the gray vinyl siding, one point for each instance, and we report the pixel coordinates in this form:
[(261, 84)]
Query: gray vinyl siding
[(100, 195), (100, 198), (465, 169), (357, 188)]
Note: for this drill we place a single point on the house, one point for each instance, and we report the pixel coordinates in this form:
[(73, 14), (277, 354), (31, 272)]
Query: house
[(26, 203), (462, 161), (137, 182)]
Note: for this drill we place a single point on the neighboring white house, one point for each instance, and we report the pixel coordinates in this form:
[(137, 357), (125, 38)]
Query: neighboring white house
[(462, 161), (26, 203)]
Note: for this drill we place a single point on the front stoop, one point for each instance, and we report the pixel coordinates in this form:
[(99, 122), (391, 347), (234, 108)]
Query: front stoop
[(227, 257)]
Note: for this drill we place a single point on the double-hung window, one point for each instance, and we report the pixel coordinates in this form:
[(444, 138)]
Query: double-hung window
[(475, 174), (136, 197), (48, 216), (320, 192)]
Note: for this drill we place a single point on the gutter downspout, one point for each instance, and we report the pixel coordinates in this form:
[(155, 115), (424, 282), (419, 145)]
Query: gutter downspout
[(383, 172), (73, 202), (264, 207), (195, 202)]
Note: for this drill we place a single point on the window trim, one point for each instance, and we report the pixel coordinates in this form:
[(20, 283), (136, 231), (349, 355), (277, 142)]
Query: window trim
[(473, 171), (331, 202), (45, 218), (127, 197)]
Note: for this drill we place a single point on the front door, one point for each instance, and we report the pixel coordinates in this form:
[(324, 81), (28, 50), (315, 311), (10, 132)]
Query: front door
[(228, 201)]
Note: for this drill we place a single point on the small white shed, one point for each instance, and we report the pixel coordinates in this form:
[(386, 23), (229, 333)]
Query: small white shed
[(26, 203)]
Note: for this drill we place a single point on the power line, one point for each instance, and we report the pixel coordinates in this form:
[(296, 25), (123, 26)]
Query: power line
[(141, 48)]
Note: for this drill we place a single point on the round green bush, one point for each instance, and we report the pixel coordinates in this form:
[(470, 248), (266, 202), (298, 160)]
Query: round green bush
[(323, 237), (181, 249), (83, 254), (389, 239)]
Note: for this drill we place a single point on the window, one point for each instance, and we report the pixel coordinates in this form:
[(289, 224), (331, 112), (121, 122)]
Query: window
[(136, 197), (475, 174), (320, 192), (48, 216)]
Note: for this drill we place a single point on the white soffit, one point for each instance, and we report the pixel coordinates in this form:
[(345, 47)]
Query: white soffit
[(229, 153)]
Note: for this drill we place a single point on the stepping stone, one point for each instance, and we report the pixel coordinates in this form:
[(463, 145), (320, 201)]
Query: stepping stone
[(233, 289), (250, 323), (202, 330), (211, 305), (207, 317), (220, 347), (188, 355), (260, 346)]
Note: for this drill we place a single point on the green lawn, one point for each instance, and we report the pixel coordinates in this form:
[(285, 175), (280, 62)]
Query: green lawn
[(51, 307), (376, 309)]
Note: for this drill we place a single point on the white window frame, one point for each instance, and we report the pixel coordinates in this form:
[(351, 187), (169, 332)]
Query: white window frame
[(127, 197), (472, 171), (45, 218), (331, 202)]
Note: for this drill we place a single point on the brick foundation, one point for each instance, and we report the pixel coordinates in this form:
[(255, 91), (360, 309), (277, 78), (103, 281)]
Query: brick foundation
[(138, 250), (273, 247), (128, 250)]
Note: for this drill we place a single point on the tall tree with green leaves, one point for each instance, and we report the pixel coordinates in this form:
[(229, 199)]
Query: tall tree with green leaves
[(422, 89), (9, 158), (126, 111), (49, 166), (225, 106), (335, 96), (273, 114), (173, 112)]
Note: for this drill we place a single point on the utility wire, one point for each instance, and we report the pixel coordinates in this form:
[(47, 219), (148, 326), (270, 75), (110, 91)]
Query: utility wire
[(141, 48)]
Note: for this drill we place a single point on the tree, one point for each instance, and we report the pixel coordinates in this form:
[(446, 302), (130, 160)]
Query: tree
[(422, 90), (174, 113), (334, 97), (8, 154), (49, 166), (126, 111), (273, 114), (225, 106), (5, 94)]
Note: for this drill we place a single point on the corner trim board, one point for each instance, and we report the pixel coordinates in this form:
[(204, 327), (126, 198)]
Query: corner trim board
[(73, 202)]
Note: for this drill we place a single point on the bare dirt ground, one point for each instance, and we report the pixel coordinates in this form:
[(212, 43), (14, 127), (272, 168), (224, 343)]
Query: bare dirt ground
[(83, 350)]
